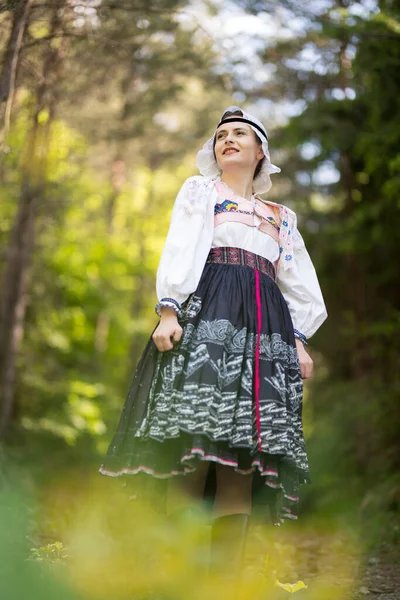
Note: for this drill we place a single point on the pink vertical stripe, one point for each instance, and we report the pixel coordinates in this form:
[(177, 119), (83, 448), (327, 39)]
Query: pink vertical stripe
[(257, 366)]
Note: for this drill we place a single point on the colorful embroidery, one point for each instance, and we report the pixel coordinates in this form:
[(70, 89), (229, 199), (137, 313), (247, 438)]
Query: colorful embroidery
[(285, 238), (273, 222), (225, 206), (239, 256)]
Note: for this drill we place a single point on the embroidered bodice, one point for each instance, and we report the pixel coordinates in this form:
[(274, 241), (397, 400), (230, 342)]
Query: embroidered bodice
[(206, 215), (250, 212)]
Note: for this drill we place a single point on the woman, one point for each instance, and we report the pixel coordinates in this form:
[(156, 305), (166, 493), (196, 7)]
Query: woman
[(219, 388)]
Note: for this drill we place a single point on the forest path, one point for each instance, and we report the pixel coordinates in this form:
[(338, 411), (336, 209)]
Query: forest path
[(333, 564)]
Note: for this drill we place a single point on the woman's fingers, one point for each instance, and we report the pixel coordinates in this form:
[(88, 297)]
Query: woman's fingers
[(163, 342), (306, 366), (166, 334), (177, 333), (166, 344), (306, 362)]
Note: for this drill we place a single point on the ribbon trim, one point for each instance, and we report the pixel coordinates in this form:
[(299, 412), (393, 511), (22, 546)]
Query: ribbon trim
[(257, 365)]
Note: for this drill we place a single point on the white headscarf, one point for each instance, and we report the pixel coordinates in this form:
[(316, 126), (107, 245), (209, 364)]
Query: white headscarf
[(208, 166)]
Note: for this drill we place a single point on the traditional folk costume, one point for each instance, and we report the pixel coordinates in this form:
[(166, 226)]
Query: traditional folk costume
[(243, 285)]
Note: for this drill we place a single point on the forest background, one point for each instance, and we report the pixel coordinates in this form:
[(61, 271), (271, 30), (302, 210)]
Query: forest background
[(103, 106)]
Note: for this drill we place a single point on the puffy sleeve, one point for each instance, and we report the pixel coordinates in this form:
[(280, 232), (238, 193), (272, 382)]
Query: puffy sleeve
[(187, 244), (300, 287)]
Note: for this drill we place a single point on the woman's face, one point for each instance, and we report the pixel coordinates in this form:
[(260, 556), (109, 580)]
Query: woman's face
[(236, 147)]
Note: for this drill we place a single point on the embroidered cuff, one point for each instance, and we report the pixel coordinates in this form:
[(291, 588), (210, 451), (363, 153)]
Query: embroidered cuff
[(301, 336), (168, 302)]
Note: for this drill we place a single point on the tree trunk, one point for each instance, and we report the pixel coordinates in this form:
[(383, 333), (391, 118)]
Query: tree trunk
[(15, 292), (8, 74), (118, 178), (17, 273), (144, 287)]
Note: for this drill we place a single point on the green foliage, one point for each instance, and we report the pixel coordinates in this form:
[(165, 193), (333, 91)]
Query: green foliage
[(22, 572), (51, 553)]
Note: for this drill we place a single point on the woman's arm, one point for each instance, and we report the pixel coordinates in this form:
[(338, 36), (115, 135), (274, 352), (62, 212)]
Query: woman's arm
[(300, 287), (187, 244), (183, 257)]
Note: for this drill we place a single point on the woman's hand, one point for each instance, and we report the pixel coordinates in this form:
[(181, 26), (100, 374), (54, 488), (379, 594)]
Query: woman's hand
[(306, 362), (168, 330)]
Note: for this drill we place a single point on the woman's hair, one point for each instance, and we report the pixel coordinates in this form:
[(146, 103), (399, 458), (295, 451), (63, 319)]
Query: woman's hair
[(238, 113)]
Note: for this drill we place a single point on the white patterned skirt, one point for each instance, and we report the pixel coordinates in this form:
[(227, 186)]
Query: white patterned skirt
[(229, 392)]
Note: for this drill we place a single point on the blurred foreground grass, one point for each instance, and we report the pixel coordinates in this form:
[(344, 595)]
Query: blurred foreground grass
[(81, 538)]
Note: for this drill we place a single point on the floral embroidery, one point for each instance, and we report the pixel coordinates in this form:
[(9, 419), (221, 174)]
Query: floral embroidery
[(287, 230), (285, 237), (273, 222), (225, 206)]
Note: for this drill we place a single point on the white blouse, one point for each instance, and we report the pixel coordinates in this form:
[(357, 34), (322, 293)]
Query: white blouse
[(192, 233)]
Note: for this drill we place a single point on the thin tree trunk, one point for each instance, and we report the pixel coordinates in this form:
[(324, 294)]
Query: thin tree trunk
[(8, 74), (356, 292), (17, 274), (140, 298), (118, 178), (17, 277)]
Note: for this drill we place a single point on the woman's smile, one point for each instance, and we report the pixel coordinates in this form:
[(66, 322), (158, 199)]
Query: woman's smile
[(230, 151)]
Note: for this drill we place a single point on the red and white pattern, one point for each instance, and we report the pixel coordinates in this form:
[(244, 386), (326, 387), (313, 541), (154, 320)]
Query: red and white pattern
[(238, 256)]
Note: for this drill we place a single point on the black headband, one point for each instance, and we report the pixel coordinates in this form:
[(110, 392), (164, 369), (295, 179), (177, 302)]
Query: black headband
[(237, 119)]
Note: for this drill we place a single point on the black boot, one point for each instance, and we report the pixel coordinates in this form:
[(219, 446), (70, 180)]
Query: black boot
[(228, 539)]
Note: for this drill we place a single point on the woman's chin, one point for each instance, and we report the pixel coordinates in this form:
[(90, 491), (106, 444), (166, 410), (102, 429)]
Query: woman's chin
[(231, 162)]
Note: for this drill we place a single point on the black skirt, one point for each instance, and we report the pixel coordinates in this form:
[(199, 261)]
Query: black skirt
[(229, 392)]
